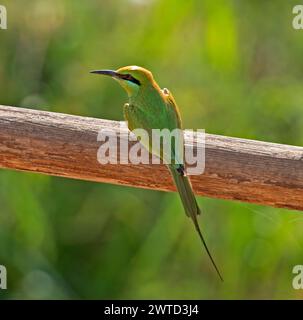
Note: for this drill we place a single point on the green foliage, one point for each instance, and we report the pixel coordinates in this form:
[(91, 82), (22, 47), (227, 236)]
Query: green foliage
[(234, 67)]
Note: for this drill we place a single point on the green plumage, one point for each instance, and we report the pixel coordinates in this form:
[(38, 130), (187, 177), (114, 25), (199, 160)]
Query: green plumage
[(149, 108), (187, 196)]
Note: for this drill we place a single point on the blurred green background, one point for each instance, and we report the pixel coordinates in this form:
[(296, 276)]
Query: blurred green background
[(234, 67)]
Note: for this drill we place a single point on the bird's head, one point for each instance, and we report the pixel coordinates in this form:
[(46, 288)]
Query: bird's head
[(131, 78)]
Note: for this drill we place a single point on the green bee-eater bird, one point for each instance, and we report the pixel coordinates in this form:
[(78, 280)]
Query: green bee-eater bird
[(149, 108)]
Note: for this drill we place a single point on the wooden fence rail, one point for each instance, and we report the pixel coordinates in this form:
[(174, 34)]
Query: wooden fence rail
[(65, 145)]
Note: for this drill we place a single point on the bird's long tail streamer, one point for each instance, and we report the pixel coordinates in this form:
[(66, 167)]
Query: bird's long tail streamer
[(190, 205)]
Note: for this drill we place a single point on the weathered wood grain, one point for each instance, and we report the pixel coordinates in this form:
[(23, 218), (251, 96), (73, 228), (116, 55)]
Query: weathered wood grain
[(65, 145)]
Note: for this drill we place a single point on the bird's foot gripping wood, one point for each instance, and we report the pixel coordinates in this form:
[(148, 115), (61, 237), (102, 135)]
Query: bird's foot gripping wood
[(181, 170)]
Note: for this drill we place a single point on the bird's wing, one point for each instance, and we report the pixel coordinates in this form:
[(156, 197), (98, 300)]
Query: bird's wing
[(172, 108), (168, 117), (174, 120)]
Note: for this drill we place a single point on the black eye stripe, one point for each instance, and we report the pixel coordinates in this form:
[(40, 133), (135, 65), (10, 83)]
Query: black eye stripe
[(129, 77)]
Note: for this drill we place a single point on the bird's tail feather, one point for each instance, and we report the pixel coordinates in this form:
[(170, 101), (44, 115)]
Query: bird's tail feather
[(190, 205), (185, 190)]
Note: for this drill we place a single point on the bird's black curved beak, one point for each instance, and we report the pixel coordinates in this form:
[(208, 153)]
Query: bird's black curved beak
[(110, 73), (117, 75)]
